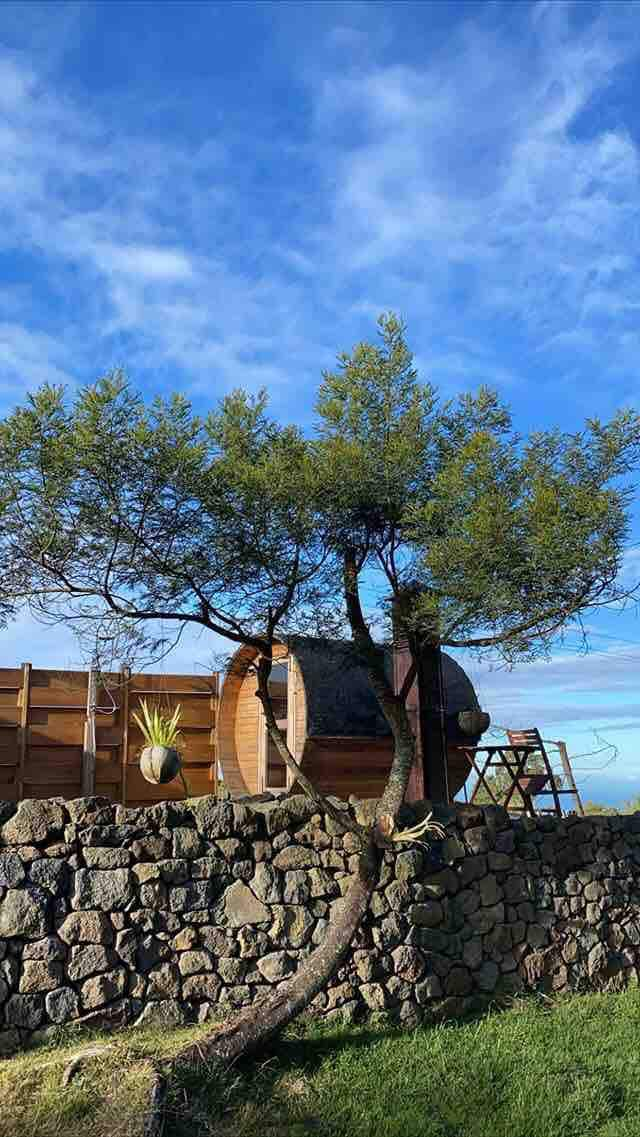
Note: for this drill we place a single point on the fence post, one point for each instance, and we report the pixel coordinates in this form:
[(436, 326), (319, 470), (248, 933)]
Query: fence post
[(25, 695), (88, 786), (125, 677), (214, 703)]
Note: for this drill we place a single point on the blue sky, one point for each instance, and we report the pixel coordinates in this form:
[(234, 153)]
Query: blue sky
[(222, 194)]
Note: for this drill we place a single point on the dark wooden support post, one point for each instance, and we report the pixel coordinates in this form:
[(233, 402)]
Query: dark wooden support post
[(430, 731), (432, 723)]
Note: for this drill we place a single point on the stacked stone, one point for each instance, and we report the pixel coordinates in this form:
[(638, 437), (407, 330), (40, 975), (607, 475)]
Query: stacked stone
[(185, 911)]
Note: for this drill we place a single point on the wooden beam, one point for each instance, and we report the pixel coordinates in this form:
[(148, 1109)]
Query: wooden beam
[(213, 737), (23, 733), (125, 679), (433, 742), (568, 773), (88, 778)]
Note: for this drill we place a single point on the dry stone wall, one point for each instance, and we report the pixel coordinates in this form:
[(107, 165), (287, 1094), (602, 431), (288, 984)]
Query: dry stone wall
[(185, 911)]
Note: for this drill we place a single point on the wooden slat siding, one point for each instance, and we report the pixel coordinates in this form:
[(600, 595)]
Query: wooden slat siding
[(226, 724), (344, 766), (23, 735), (11, 681), (198, 697), (55, 714), (239, 723)]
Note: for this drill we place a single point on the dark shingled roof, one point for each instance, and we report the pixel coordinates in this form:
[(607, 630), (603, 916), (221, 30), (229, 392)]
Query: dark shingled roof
[(340, 702)]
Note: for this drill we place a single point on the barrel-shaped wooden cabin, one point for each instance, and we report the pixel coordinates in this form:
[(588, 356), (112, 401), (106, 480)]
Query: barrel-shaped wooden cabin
[(331, 718)]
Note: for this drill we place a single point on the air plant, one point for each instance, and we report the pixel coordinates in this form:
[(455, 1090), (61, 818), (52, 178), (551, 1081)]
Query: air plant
[(158, 729), (416, 833)]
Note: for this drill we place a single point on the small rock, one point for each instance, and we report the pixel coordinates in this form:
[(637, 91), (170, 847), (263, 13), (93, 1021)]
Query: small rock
[(408, 962), (102, 989), (426, 915), (26, 1011), (477, 838), (23, 912), (89, 960), (105, 889), (163, 982), (458, 981), (275, 966), (40, 975), (265, 883), (97, 858), (49, 873), (487, 977), (232, 971), (34, 822), (239, 906), (409, 865), (185, 939), (452, 850), (490, 891), (374, 996), (201, 987), (165, 1012), (61, 1004), (191, 962), (11, 870), (429, 988), (186, 843), (48, 948), (296, 857), (292, 924), (296, 887)]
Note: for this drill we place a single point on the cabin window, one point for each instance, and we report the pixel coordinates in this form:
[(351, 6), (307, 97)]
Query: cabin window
[(274, 769)]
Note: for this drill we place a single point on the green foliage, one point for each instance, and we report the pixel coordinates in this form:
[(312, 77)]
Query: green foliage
[(120, 514), (542, 1068), (594, 807), (158, 729), (500, 540), (116, 513)]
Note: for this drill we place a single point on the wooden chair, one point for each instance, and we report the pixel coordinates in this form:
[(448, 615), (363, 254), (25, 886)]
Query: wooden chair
[(515, 757), (535, 783)]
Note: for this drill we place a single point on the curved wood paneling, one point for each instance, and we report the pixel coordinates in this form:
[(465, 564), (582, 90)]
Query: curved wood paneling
[(239, 722)]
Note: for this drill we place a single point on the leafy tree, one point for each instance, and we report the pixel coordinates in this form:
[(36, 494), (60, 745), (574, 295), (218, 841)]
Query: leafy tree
[(119, 514), (484, 540), (594, 807)]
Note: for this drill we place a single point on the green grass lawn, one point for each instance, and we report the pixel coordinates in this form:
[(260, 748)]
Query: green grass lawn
[(564, 1069)]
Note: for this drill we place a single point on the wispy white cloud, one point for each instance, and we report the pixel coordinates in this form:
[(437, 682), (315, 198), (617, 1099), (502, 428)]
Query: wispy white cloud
[(477, 161)]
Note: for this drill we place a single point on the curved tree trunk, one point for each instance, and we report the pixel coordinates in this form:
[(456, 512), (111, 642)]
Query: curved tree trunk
[(251, 1029), (248, 1030)]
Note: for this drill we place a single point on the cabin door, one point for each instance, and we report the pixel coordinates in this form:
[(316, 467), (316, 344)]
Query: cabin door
[(274, 776)]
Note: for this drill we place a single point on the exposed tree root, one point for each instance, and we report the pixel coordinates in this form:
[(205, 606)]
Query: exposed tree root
[(77, 1061), (249, 1030)]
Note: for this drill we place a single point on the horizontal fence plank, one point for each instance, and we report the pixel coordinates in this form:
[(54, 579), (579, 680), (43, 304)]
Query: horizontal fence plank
[(54, 717)]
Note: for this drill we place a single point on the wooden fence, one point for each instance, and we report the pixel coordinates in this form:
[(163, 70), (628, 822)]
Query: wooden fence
[(46, 741)]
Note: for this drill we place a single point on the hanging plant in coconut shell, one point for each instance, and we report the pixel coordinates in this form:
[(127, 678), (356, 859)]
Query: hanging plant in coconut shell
[(160, 759)]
